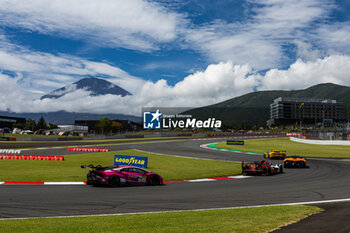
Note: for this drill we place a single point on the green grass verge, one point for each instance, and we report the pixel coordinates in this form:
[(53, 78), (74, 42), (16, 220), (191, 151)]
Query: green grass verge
[(259, 219), (169, 167), (308, 150)]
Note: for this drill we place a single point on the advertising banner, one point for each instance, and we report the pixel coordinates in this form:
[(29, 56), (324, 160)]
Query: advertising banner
[(129, 160), (234, 142)]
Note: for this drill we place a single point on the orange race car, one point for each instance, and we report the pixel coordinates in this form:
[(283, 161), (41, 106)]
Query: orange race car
[(295, 161)]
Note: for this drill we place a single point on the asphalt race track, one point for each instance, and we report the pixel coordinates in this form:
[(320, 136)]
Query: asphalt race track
[(324, 180)]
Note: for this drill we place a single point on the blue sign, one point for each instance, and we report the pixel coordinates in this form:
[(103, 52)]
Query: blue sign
[(234, 142), (4, 139), (152, 120), (129, 160)]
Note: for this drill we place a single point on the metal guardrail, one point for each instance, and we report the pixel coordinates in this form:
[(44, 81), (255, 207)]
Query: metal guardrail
[(321, 142)]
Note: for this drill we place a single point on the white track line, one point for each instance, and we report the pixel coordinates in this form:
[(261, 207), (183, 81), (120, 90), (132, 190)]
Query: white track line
[(205, 146), (170, 181), (201, 180), (239, 177), (64, 183), (191, 210)]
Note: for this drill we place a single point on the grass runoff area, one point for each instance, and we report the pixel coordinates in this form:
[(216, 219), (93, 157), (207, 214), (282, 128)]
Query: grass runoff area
[(292, 148), (169, 167), (245, 220)]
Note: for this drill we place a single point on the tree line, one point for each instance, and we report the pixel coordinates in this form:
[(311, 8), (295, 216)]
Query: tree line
[(32, 125)]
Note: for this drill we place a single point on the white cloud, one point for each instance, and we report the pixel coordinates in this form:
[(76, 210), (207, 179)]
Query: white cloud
[(40, 72), (145, 25), (218, 82), (159, 65), (259, 40), (306, 52), (136, 24), (333, 37), (334, 69), (9, 90), (246, 46)]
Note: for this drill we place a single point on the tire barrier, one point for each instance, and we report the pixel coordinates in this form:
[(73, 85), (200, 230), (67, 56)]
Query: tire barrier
[(33, 157), (88, 149)]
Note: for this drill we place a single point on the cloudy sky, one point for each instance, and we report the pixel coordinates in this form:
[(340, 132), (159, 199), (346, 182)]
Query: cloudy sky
[(167, 53)]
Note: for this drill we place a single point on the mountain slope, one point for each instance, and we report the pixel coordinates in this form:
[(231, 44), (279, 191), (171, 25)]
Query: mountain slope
[(254, 108), (67, 118), (95, 85)]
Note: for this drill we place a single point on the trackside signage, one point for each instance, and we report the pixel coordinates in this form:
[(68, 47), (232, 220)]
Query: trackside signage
[(234, 142), (127, 160), (158, 120)]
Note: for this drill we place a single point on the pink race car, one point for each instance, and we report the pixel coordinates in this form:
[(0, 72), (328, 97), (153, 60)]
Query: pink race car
[(115, 176)]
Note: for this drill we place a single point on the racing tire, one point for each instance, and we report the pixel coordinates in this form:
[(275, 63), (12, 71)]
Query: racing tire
[(114, 181), (154, 180), (281, 169)]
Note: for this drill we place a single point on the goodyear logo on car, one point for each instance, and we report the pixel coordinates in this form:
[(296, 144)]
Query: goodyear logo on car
[(127, 160), (234, 142)]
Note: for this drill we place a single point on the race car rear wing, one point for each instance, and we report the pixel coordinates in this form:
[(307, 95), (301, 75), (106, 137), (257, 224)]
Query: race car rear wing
[(88, 166), (251, 163), (98, 167)]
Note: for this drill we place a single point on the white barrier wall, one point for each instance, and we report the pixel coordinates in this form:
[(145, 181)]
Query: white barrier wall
[(322, 142), (10, 152)]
